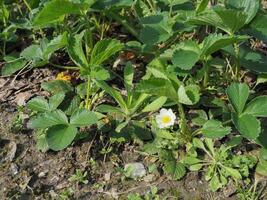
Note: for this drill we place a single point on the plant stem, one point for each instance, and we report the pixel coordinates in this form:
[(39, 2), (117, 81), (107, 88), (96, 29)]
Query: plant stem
[(206, 67), (4, 48), (184, 128), (64, 67), (152, 6), (87, 101), (254, 189), (237, 70), (124, 22), (27, 5)]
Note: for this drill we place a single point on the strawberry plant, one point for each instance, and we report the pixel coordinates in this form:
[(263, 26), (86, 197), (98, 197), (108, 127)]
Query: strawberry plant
[(180, 82), (60, 129)]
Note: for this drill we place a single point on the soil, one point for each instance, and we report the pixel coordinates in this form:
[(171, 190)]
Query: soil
[(27, 173)]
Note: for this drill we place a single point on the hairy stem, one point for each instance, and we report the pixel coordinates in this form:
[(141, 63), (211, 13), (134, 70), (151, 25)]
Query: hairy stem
[(87, 101), (237, 69), (183, 123), (64, 67), (206, 74)]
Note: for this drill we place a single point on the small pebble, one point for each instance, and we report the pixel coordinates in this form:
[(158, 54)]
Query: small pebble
[(14, 169), (41, 174), (107, 176), (138, 169)]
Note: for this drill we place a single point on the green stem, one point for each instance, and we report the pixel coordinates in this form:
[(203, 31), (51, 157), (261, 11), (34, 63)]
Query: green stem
[(237, 69), (4, 48), (152, 6), (254, 189), (227, 122), (124, 22), (206, 74), (64, 67), (87, 102), (184, 128), (27, 5)]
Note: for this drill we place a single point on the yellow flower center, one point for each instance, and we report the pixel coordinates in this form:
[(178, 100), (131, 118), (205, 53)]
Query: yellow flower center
[(166, 119)]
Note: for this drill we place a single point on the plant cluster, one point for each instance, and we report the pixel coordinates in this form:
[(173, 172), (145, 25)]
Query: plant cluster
[(191, 106)]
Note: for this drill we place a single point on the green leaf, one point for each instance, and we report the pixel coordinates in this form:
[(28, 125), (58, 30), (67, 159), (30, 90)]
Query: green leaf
[(214, 129), (100, 74), (83, 117), (55, 44), (38, 104), (250, 59), (41, 143), (238, 94), (186, 55), (215, 183), (57, 86), (72, 105), (138, 102), (176, 2), (138, 130), (75, 50), (195, 167), (114, 93), (188, 95), (48, 119), (111, 4), (32, 53), (155, 105), (232, 19), (191, 160), (179, 171), (55, 10), (233, 172), (13, 66), (121, 126), (103, 50), (161, 133), (156, 29), (198, 143), (248, 125), (159, 87), (228, 20), (209, 17), (257, 27), (56, 100), (210, 145), (128, 76), (235, 141), (202, 6), (185, 59), (215, 42), (257, 107), (263, 153), (261, 168), (108, 109), (250, 7), (199, 117), (262, 78), (171, 166), (60, 136), (157, 68)]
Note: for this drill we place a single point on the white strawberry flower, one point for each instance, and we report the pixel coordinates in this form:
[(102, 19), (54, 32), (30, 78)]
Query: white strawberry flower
[(165, 118)]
